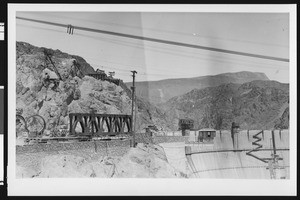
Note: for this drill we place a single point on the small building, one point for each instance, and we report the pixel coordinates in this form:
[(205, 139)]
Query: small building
[(151, 129), (235, 127), (207, 134), (99, 75), (111, 74), (185, 125), (99, 71)]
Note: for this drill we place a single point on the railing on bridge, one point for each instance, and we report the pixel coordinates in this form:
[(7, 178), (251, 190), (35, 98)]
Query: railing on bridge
[(90, 124)]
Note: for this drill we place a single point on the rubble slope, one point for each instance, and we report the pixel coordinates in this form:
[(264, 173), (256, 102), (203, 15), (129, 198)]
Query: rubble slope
[(144, 161)]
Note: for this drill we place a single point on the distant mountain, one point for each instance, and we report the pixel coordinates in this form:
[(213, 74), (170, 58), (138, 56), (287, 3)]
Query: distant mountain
[(161, 91), (254, 105)]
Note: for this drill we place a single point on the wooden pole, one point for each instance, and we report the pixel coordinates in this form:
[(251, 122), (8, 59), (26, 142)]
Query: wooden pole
[(135, 113), (133, 97)]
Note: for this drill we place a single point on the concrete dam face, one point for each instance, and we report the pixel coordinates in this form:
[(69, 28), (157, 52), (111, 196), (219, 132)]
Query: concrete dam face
[(246, 155), (229, 158)]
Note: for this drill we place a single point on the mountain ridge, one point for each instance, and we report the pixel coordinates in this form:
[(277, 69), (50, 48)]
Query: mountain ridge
[(206, 76), (254, 105), (158, 92)]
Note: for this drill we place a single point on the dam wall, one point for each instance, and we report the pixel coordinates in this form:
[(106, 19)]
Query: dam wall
[(224, 158)]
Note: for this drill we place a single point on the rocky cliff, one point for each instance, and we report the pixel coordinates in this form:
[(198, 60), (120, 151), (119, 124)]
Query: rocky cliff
[(53, 84), (254, 105)]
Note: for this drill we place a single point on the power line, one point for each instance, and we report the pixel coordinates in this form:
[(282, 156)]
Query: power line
[(157, 49), (170, 32), (160, 40), (144, 73), (185, 54), (117, 63), (169, 72), (123, 71), (169, 51)]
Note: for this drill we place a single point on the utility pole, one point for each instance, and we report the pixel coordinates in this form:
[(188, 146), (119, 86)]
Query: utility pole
[(273, 164), (133, 100)]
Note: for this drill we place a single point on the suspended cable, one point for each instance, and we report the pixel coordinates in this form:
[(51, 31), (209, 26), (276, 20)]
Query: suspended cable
[(159, 40), (167, 72), (168, 31), (199, 36), (168, 51), (184, 54)]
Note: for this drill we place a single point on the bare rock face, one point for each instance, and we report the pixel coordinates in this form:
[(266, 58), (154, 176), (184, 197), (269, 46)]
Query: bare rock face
[(53, 84)]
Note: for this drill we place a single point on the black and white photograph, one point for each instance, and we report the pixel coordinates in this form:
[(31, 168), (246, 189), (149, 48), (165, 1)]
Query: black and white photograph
[(103, 94)]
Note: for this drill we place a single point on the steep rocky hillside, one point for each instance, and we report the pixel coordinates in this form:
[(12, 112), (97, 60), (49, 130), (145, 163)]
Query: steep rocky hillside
[(149, 114), (161, 91), (53, 84), (255, 105)]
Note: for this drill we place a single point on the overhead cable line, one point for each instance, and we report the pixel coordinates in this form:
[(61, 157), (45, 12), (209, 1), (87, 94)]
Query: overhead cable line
[(182, 54), (170, 32), (146, 69), (159, 40), (171, 52)]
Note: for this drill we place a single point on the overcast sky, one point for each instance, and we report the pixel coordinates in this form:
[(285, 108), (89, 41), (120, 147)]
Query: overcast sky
[(265, 34)]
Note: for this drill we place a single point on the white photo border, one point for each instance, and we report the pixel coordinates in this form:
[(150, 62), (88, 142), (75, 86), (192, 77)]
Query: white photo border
[(134, 186)]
